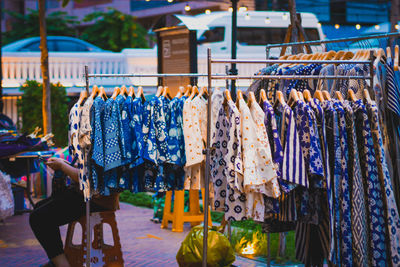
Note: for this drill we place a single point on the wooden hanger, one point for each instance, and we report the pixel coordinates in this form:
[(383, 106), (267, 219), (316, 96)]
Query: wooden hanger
[(396, 58), (318, 95), (140, 93), (195, 91), (351, 95), (300, 95), (166, 93), (263, 95), (279, 98), (388, 52), (95, 91), (188, 90), (252, 99), (315, 56), (131, 92), (160, 90), (367, 96), (339, 55), (284, 57), (102, 93), (239, 96), (82, 96), (228, 95), (203, 91), (293, 97), (326, 94), (307, 95), (339, 96), (347, 55), (116, 92), (124, 91), (356, 55), (379, 54), (180, 92), (329, 55)]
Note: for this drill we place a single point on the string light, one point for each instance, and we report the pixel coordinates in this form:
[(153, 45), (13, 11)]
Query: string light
[(230, 9), (243, 8), (284, 16), (187, 7), (267, 20), (319, 24), (396, 26), (247, 17), (170, 1), (147, 0), (337, 26), (377, 27), (208, 12), (358, 26)]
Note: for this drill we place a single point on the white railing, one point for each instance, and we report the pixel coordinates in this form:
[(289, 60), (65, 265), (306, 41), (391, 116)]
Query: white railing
[(68, 68)]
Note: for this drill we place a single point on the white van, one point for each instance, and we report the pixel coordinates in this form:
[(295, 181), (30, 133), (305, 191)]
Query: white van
[(255, 30)]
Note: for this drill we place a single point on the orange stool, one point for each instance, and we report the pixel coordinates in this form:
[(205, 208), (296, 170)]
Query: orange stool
[(101, 254), (178, 216)]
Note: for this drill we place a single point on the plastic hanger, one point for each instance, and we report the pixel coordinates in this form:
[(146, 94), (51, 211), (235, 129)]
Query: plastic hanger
[(396, 58), (131, 92), (123, 91), (166, 92), (160, 90), (188, 90), (116, 92), (339, 96), (352, 95), (307, 95), (102, 93), (140, 93), (326, 94), (83, 95), (195, 91), (95, 91), (318, 95), (252, 99)]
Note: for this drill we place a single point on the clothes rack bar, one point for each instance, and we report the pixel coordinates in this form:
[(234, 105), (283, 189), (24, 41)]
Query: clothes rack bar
[(159, 75), (272, 61), (287, 77)]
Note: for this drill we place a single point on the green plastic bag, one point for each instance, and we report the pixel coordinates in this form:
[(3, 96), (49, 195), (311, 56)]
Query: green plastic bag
[(219, 254)]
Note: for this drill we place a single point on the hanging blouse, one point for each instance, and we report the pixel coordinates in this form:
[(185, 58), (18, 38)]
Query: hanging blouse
[(226, 164), (192, 134), (176, 141), (127, 131), (293, 168), (136, 114), (376, 221)]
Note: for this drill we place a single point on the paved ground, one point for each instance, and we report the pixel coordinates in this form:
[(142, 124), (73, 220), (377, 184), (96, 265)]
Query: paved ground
[(18, 246)]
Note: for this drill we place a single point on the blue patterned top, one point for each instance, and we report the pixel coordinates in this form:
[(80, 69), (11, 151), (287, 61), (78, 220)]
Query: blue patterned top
[(176, 142)]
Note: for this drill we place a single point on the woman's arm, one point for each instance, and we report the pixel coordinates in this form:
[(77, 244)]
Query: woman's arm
[(60, 164)]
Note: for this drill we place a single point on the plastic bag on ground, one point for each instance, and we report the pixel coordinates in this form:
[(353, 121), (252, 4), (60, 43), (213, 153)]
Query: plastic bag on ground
[(6, 197), (219, 254)]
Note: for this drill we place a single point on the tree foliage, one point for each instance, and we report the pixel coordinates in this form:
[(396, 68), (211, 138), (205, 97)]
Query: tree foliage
[(30, 110), (114, 30), (58, 23)]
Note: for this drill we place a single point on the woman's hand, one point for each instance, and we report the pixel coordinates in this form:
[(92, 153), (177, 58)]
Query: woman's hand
[(55, 163)]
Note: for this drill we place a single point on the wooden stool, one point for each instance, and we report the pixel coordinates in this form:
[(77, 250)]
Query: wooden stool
[(178, 216), (101, 254)]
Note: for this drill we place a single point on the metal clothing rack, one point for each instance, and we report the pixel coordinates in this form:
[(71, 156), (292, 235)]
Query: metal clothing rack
[(155, 75), (211, 77)]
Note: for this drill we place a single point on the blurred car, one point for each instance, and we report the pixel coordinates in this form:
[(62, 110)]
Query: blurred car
[(54, 44)]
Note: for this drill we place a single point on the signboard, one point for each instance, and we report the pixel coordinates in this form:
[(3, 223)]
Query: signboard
[(177, 53)]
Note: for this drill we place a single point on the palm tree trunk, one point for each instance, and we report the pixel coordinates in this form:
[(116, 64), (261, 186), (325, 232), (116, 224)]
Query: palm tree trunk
[(44, 60)]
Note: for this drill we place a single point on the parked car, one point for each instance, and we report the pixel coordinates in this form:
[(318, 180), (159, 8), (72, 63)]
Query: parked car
[(54, 44)]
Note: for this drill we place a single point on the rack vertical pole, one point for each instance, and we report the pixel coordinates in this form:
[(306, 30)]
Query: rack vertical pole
[(88, 241), (208, 155)]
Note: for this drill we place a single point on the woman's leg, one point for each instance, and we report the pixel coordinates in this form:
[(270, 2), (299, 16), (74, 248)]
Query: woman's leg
[(46, 219)]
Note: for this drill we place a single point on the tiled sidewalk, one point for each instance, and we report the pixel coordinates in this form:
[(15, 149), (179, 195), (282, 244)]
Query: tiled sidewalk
[(18, 246)]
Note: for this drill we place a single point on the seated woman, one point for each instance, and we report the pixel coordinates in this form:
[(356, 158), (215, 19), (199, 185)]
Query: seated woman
[(68, 206)]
